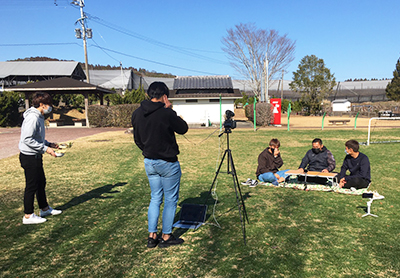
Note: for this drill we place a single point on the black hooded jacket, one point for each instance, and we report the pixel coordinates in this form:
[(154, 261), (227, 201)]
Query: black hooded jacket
[(154, 128), (318, 162)]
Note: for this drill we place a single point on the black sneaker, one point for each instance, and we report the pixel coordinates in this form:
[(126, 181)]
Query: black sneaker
[(151, 242), (170, 241)]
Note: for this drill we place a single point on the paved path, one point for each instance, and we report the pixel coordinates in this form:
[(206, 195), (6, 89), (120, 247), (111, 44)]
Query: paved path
[(9, 137)]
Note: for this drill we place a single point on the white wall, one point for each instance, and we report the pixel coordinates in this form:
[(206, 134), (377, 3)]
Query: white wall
[(201, 111), (341, 106)]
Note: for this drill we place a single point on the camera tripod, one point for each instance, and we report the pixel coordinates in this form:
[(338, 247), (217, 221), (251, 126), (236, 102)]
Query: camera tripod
[(232, 171)]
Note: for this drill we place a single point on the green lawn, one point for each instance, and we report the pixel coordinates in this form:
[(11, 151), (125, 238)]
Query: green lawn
[(102, 188)]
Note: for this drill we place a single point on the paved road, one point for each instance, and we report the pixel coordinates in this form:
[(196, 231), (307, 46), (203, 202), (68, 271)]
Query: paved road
[(9, 137)]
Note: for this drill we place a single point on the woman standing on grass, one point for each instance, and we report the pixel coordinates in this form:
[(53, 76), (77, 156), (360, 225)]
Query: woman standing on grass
[(32, 145)]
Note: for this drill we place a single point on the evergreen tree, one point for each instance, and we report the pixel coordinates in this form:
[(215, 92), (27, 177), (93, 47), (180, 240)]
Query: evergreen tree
[(9, 115), (314, 81), (393, 88)]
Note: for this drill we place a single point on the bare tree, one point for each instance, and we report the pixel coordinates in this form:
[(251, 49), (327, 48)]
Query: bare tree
[(248, 47)]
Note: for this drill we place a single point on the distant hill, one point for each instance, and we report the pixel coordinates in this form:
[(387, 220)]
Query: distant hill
[(139, 71)]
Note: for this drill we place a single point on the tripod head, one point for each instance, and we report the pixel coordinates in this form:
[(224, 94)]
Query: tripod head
[(227, 131), (229, 123)]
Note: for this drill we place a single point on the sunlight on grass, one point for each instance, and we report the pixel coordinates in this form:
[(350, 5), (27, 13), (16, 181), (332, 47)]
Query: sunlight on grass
[(101, 186)]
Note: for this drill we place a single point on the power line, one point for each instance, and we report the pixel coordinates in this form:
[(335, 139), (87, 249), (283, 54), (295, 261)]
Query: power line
[(153, 41), (40, 44), (105, 52), (154, 62)]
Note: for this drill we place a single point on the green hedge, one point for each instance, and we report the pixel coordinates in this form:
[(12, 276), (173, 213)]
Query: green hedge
[(9, 115), (115, 116), (264, 114)]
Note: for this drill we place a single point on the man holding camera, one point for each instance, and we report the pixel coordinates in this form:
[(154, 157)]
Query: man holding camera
[(154, 126)]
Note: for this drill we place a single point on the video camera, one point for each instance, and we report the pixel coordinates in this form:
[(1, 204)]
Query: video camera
[(229, 122)]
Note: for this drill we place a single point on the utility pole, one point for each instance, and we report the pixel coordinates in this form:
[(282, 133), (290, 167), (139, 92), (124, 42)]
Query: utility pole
[(283, 72), (262, 94), (85, 33), (266, 77), (122, 76)]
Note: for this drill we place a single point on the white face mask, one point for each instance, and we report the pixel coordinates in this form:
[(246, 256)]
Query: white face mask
[(48, 110), (345, 151)]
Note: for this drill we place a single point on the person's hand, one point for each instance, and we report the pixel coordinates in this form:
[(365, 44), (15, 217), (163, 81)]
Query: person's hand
[(167, 103), (51, 152), (301, 169), (276, 152), (325, 171), (342, 182), (54, 145)]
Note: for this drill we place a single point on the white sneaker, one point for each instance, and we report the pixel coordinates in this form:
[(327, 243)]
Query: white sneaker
[(253, 183), (33, 219), (50, 211), (248, 182), (377, 196)]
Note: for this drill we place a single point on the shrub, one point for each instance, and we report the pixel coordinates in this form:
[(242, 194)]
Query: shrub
[(264, 114), (129, 97), (120, 115), (245, 99), (9, 115), (97, 115), (115, 116)]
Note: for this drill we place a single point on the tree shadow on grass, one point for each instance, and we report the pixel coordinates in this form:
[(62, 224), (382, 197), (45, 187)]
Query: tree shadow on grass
[(96, 193)]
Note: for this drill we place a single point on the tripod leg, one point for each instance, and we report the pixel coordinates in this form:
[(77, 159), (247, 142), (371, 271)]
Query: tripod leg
[(215, 177), (238, 185), (238, 200)]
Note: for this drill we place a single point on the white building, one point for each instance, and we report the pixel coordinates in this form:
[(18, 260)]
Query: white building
[(341, 105), (202, 99)]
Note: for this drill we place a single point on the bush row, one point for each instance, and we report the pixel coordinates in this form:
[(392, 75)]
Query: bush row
[(115, 116), (9, 104), (264, 114)]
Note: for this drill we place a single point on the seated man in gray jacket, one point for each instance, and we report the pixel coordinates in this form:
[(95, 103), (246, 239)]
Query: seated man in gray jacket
[(318, 159)]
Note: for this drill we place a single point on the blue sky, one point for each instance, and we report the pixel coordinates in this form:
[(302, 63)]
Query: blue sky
[(356, 39)]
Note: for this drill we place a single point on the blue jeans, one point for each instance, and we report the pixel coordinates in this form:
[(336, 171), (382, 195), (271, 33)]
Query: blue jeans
[(270, 177), (164, 179)]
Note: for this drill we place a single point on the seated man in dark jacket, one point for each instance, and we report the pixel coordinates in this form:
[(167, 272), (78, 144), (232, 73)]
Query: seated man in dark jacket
[(358, 165), (318, 159)]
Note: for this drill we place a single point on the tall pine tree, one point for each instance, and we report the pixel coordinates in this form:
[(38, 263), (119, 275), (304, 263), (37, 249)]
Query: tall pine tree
[(393, 88), (314, 81)]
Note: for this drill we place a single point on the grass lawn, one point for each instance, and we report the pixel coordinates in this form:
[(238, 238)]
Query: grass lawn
[(101, 186)]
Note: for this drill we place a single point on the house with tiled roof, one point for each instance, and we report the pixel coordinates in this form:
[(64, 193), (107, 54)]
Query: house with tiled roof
[(202, 99)]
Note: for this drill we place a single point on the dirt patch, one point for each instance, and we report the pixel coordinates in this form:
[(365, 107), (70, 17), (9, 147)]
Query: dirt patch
[(67, 114), (9, 137), (296, 121)]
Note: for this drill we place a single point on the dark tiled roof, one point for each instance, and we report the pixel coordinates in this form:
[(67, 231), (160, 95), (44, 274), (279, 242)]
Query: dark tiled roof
[(61, 85), (185, 94), (202, 82)]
